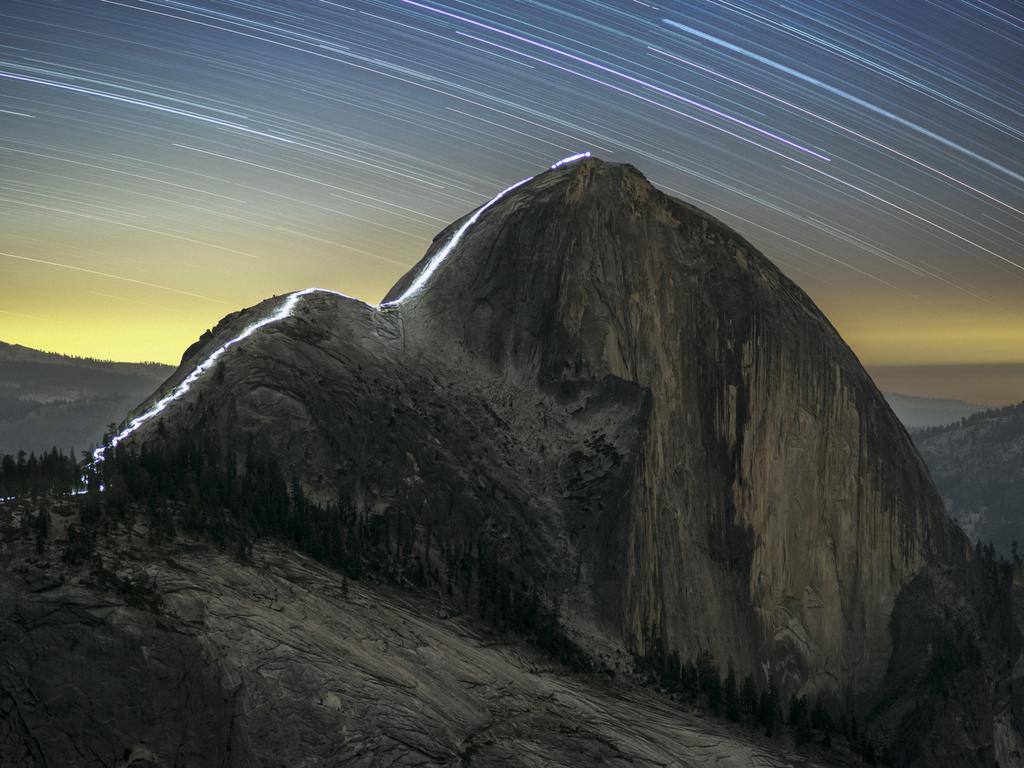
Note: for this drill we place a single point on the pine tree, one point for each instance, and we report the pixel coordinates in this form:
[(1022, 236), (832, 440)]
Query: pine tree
[(795, 710), (799, 720), (766, 708), (710, 681), (41, 524), (748, 697), (821, 720), (732, 699)]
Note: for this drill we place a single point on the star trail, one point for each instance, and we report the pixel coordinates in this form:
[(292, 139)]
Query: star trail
[(163, 163)]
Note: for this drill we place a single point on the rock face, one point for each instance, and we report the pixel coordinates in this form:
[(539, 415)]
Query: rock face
[(632, 405), (775, 506)]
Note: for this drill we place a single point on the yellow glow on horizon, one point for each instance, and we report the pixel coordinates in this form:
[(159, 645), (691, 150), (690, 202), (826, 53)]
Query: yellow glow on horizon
[(916, 341), (944, 330), (48, 303), (62, 310), (93, 318), (123, 330)]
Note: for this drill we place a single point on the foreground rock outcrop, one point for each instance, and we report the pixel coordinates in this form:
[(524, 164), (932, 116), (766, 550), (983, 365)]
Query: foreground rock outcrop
[(207, 661)]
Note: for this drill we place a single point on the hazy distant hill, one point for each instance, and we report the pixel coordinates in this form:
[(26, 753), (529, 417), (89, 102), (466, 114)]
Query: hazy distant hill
[(978, 467), (48, 399), (995, 383), (975, 454), (918, 412)]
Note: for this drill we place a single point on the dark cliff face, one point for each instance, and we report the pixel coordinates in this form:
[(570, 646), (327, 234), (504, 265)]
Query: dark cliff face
[(775, 506), (631, 407), (635, 404)]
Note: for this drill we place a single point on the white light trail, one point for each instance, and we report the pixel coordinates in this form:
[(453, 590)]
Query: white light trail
[(570, 159), (74, 268), (435, 261), (142, 103), (79, 492), (871, 107), (287, 309), (621, 75)]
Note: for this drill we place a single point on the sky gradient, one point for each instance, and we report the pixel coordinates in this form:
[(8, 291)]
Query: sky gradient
[(164, 163)]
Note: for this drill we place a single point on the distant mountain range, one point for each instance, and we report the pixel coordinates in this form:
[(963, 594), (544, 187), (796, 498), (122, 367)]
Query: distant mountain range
[(975, 454), (995, 383), (920, 412), (978, 467), (49, 400)]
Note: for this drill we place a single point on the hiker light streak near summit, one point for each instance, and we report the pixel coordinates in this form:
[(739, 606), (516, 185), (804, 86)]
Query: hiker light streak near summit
[(287, 307)]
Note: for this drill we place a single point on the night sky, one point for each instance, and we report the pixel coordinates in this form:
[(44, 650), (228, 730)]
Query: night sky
[(164, 163)]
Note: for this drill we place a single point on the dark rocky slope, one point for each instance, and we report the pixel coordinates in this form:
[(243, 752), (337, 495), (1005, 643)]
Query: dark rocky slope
[(210, 662), (636, 413)]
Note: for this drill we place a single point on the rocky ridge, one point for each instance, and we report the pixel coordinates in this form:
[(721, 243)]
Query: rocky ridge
[(639, 416), (601, 371)]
